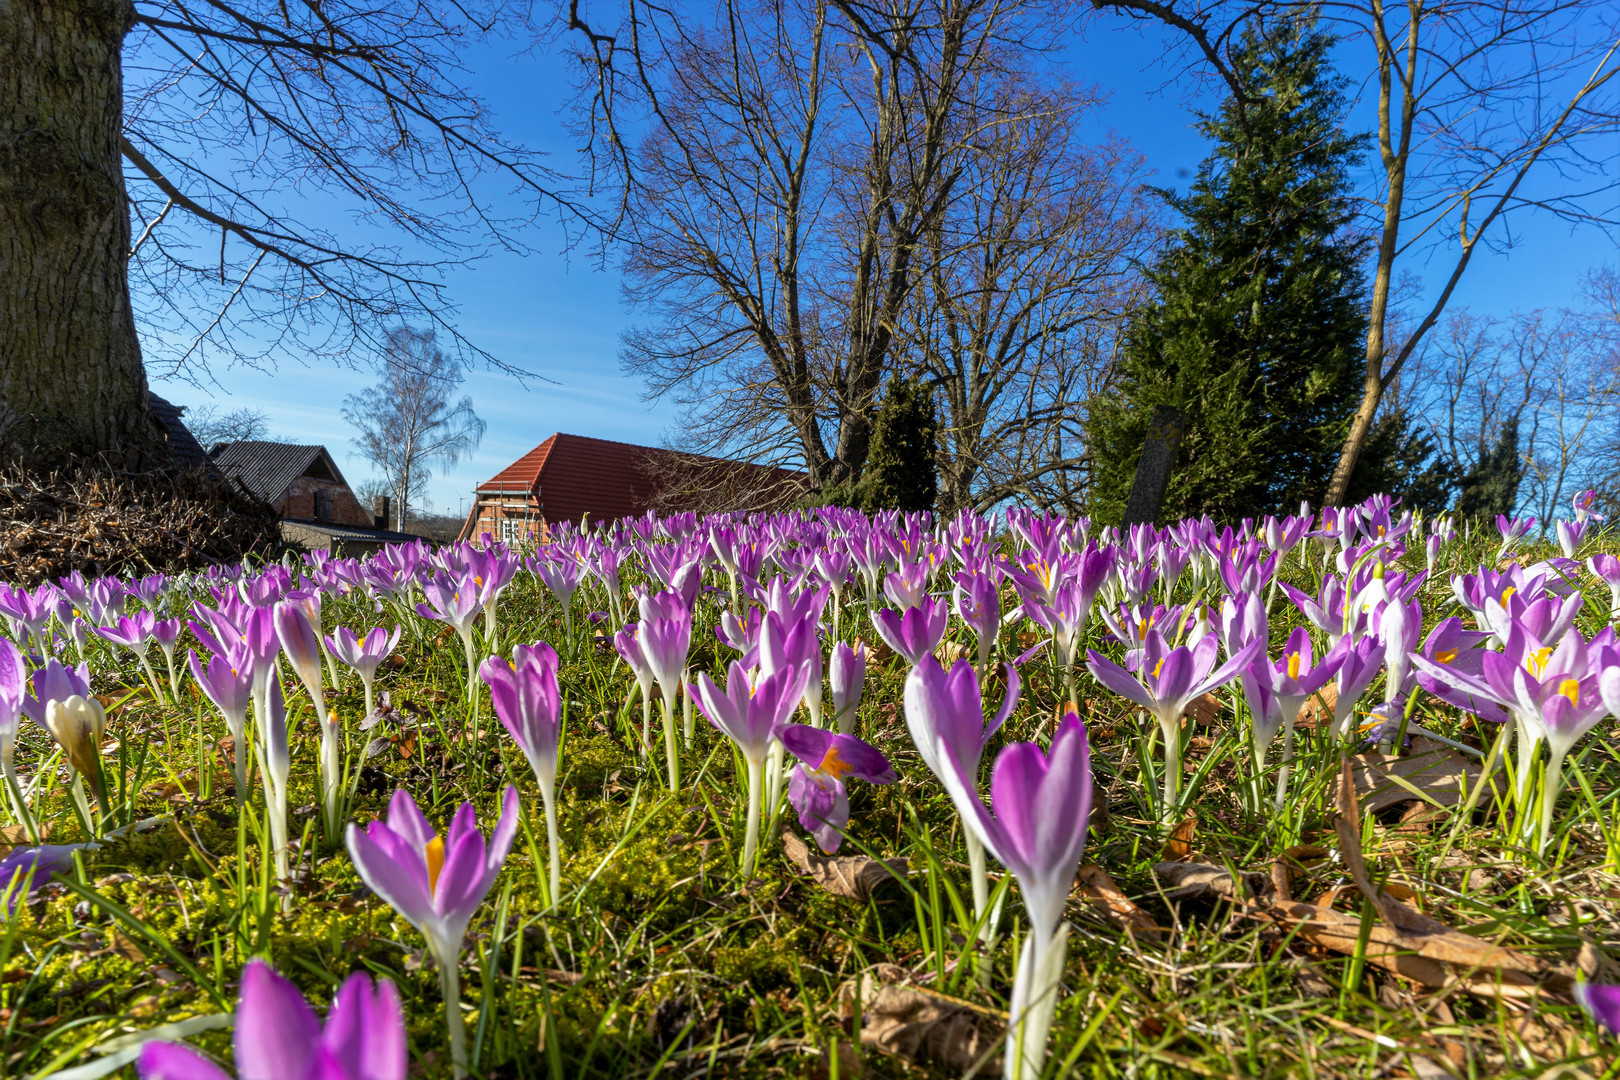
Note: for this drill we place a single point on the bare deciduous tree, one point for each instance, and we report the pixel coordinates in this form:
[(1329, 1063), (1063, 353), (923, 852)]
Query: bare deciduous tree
[(408, 422), (832, 191), (1549, 374), (1029, 275), (209, 424)]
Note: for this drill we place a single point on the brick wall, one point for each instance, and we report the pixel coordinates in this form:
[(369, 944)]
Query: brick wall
[(299, 502)]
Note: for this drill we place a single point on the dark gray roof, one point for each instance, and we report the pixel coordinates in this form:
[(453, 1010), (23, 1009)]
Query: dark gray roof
[(353, 532), (268, 468), (185, 446)]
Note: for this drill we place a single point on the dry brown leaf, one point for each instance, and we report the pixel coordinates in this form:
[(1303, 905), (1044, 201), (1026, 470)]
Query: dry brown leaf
[(1118, 908), (919, 1025), (1408, 942), (126, 948), (850, 876), (1435, 769), (1318, 708), (1201, 881), (1204, 709), (1178, 848), (949, 652)]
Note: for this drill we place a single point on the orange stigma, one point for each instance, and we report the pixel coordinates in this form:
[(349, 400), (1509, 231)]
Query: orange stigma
[(434, 852), (833, 765)]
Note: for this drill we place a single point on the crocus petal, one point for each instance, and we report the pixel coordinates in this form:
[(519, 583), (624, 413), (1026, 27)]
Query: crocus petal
[(276, 1030), (1602, 1003), (393, 870), (176, 1061), (1117, 679), (365, 1030)]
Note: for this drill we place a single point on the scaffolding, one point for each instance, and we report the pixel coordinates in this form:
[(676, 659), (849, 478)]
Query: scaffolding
[(492, 511)]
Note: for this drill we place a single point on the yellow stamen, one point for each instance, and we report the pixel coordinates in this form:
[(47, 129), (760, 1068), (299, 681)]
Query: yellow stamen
[(1507, 592), (1571, 688), (1293, 665), (1158, 667), (1446, 656), (435, 861), (1537, 661), (833, 765)]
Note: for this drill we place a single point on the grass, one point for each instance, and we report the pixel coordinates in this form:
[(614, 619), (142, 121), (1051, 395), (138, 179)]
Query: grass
[(656, 961)]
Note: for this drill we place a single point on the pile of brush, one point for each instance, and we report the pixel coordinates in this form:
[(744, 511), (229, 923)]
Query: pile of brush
[(100, 521)]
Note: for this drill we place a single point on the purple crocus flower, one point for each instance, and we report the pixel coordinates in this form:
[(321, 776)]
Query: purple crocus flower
[(946, 711), (278, 1036), (13, 688), (978, 604), (1569, 536), (31, 609), (784, 644), (43, 861), (435, 882), (1513, 530), (300, 641), (1040, 808), (133, 632), (1607, 570), (916, 633), (1173, 678), (1554, 694), (363, 654), (1602, 1004), (749, 714), (529, 704), (166, 632), (457, 601), (907, 586), (1281, 688), (665, 637), (848, 678), (1583, 502), (628, 646), (816, 789), (54, 682), (229, 685), (561, 575), (492, 571)]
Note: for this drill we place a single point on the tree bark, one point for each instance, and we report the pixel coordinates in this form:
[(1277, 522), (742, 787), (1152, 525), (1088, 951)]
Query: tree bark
[(71, 380)]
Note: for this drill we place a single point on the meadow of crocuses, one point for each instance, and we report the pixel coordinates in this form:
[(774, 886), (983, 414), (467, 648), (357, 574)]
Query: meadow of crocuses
[(617, 804)]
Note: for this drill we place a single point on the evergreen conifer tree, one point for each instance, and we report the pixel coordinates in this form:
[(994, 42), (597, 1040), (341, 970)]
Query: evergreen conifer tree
[(900, 472), (1492, 485), (1258, 321)]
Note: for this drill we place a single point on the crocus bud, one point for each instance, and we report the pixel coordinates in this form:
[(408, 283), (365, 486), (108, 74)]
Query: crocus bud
[(848, 677), (78, 724), (303, 651)]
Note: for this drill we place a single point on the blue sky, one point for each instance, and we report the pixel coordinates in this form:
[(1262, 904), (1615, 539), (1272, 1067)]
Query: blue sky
[(560, 317)]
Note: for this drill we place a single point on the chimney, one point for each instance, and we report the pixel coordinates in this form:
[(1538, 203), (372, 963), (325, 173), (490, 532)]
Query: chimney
[(380, 506)]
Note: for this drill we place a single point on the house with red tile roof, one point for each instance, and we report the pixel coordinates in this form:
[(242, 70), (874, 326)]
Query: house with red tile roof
[(571, 477)]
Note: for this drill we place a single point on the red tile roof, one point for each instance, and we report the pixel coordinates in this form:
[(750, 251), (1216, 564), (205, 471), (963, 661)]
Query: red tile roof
[(572, 475)]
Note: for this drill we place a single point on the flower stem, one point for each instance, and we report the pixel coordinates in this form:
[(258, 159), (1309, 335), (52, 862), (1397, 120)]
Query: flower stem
[(1551, 784), (450, 982), (756, 783), (671, 749), (19, 800), (553, 845), (1172, 771)]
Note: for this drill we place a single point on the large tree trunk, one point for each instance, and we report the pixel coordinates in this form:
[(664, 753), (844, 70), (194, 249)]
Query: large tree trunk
[(71, 380)]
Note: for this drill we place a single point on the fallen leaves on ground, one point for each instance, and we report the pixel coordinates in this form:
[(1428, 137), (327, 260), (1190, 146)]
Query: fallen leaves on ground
[(914, 1023), (850, 876), (1113, 904), (1430, 771)]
